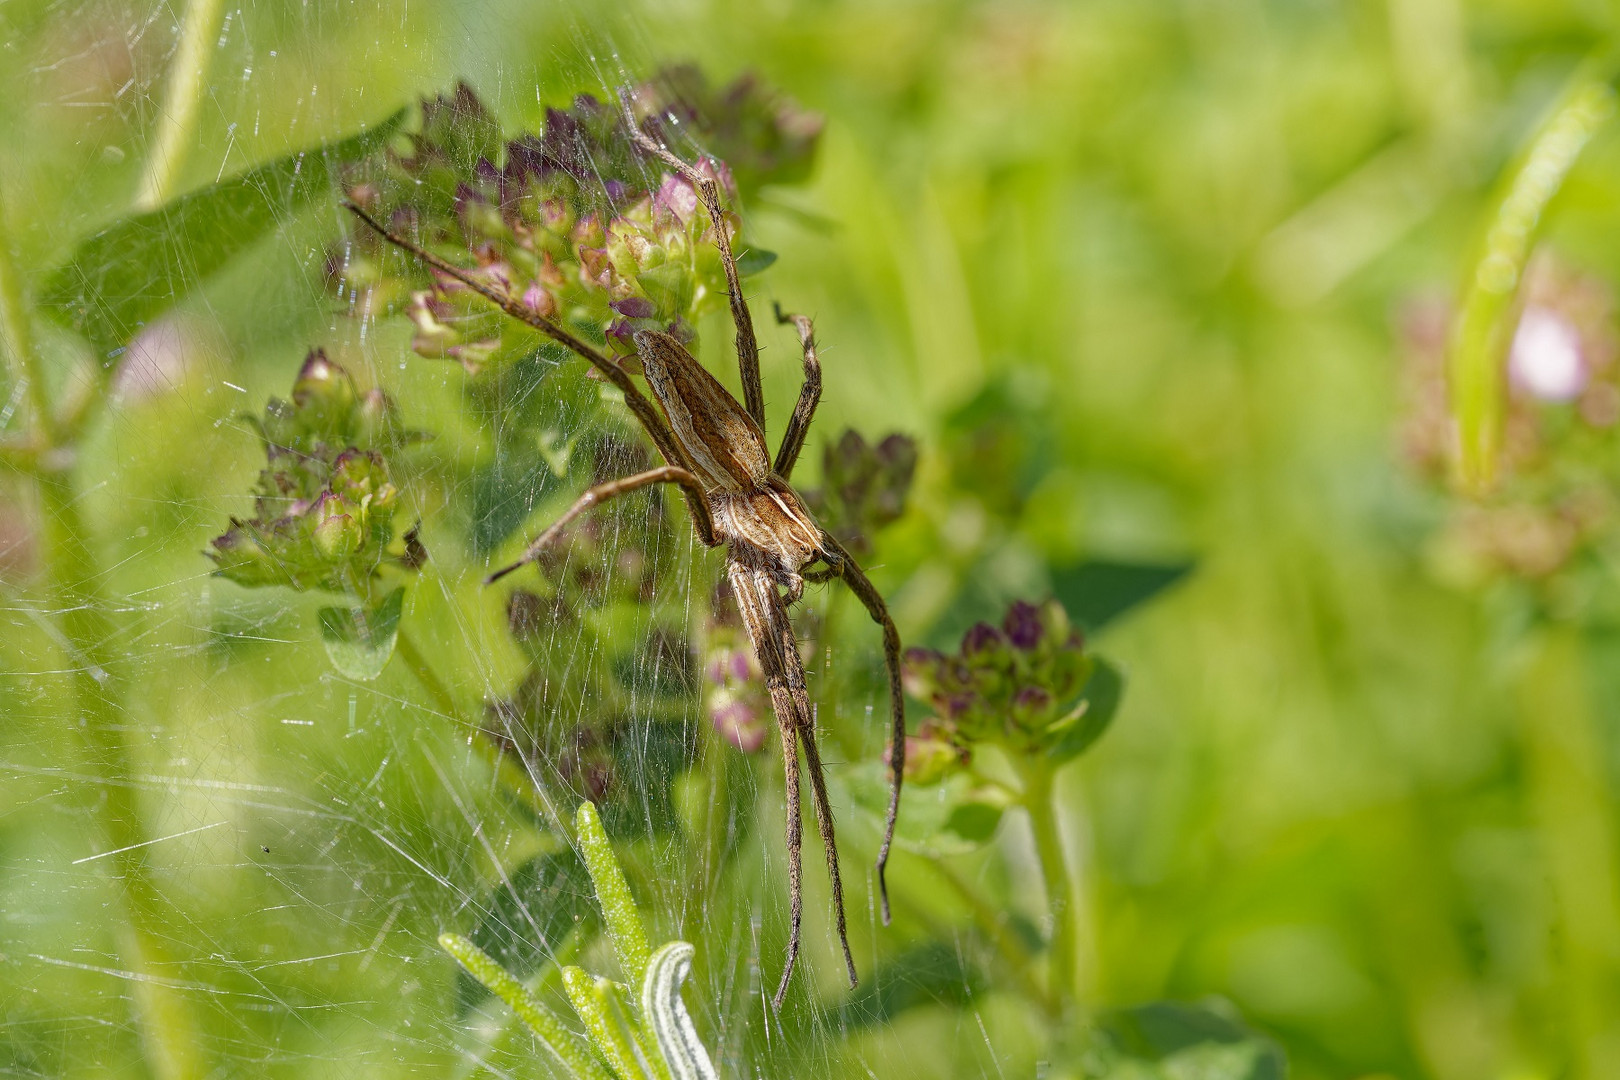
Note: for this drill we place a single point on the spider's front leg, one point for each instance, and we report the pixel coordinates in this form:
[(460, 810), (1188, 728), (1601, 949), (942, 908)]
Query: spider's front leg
[(809, 395), (709, 193), (601, 493)]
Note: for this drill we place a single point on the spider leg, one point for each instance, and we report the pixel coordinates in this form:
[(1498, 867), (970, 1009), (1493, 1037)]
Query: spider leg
[(809, 395), (829, 843), (795, 848), (771, 633), (601, 493), (842, 564), (709, 192), (657, 429)]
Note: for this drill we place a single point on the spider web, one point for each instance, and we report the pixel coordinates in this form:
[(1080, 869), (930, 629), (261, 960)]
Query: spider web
[(307, 836)]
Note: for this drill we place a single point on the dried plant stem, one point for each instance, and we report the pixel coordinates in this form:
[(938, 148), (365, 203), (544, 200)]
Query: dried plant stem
[(1038, 775), (188, 78), (169, 1032)]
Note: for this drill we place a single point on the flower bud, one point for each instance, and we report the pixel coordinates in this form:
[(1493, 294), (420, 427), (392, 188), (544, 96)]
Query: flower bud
[(930, 756)]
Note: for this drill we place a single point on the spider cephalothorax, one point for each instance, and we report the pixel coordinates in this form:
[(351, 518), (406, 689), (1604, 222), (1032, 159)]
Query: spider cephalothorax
[(714, 448)]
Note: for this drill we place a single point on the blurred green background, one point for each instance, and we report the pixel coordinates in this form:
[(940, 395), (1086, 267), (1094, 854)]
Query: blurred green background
[(1167, 244)]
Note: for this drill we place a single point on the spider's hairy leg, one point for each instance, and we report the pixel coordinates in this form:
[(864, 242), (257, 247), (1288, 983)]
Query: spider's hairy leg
[(709, 192), (824, 825), (601, 493), (809, 395), (657, 430), (843, 565), (771, 633)]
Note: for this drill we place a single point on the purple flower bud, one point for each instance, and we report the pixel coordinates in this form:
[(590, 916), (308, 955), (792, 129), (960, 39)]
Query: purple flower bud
[(1023, 625), (621, 335), (634, 307), (982, 641), (538, 300), (738, 723), (676, 197), (920, 671), (1030, 707)]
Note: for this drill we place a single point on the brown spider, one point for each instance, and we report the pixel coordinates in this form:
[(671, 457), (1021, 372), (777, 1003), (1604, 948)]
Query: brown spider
[(715, 451)]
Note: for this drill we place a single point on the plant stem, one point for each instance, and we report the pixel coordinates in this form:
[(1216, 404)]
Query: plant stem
[(992, 923), (17, 334), (188, 78), (1060, 906), (507, 772), (169, 1033)]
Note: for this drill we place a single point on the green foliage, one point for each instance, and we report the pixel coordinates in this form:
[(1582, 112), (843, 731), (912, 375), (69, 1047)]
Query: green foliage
[(135, 269), (1169, 1041), (648, 1036), (324, 503)]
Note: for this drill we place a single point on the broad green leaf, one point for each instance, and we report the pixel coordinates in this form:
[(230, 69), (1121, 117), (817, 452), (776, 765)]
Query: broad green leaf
[(754, 261), (1098, 591), (359, 640), (1100, 700), (563, 1044), (935, 973), (1171, 1041), (952, 817), (135, 269)]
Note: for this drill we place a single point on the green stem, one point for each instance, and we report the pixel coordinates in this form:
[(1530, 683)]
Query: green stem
[(992, 922), (169, 1032), (188, 78), (17, 334), (1060, 905), (510, 775), (1484, 331)]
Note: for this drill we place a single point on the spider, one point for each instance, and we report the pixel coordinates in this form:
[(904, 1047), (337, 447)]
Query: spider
[(715, 451)]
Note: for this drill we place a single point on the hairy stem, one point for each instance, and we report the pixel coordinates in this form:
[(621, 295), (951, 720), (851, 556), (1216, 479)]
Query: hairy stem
[(169, 1032), (1060, 905), (188, 78)]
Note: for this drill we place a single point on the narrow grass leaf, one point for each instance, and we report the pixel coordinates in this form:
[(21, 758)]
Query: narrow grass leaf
[(563, 1044)]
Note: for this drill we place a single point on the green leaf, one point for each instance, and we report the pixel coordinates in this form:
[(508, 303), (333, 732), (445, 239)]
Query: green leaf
[(953, 817), (1484, 333), (601, 1007), (1100, 698), (1185, 1042), (613, 894), (665, 1014), (1098, 591), (135, 269), (528, 916), (563, 1044), (754, 261), (359, 640), (932, 974)]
